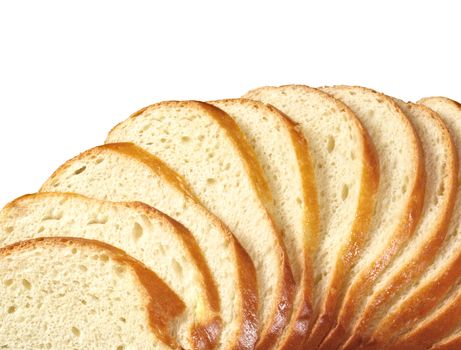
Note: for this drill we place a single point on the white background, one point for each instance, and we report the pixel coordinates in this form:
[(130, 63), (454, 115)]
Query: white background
[(70, 70)]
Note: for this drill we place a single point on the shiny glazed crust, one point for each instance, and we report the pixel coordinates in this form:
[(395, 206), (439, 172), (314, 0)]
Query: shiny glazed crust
[(408, 222), (204, 335), (162, 304), (281, 311), (426, 297), (413, 269)]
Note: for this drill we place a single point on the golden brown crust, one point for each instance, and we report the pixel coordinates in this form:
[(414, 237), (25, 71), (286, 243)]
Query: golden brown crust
[(414, 268), (163, 305), (282, 311), (296, 330), (246, 273), (365, 278), (211, 328), (285, 293), (303, 314), (424, 299)]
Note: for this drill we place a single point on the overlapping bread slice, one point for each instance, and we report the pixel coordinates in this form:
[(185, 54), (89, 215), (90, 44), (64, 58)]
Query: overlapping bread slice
[(70, 293), (159, 242), (205, 146), (124, 172), (399, 200), (284, 156), (346, 175), (439, 287), (441, 184)]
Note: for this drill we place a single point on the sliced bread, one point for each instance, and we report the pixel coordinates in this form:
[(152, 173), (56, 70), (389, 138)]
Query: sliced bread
[(159, 242), (124, 172), (284, 156), (70, 293), (440, 157), (205, 146), (440, 284), (399, 200), (346, 175)]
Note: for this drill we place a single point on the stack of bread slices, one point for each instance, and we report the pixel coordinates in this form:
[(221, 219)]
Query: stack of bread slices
[(291, 218)]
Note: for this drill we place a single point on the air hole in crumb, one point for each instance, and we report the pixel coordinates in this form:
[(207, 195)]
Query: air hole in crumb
[(104, 257), (345, 192), (99, 160), (185, 139), (80, 170), (12, 309), (76, 331), (330, 144), (299, 201), (53, 214), (9, 229), (123, 319), (41, 229), (163, 140), (26, 284), (74, 250), (211, 181), (120, 347), (8, 283), (137, 231), (352, 155), (177, 267), (201, 138), (119, 270), (441, 189), (83, 268), (98, 219)]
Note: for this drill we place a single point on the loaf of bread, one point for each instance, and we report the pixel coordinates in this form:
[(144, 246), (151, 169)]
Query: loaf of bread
[(293, 218), (159, 242), (206, 147), (125, 172)]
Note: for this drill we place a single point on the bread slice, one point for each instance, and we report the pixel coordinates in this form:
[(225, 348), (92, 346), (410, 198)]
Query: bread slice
[(69, 293), (284, 156), (159, 242), (205, 146), (346, 174), (439, 285), (399, 200), (441, 184), (124, 172)]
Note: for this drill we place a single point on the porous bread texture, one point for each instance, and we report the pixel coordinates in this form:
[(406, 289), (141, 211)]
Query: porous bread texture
[(440, 284), (67, 293), (149, 236), (125, 172), (399, 199), (284, 156), (205, 146), (440, 157), (345, 169)]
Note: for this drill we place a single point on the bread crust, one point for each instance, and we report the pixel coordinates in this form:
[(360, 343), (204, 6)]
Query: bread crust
[(163, 305), (296, 330), (424, 299), (205, 335), (365, 278), (285, 290), (248, 292), (322, 319), (421, 260)]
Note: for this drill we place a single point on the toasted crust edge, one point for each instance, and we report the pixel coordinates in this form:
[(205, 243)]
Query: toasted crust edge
[(163, 305), (426, 297), (424, 257), (298, 325), (285, 293), (248, 332), (404, 231)]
